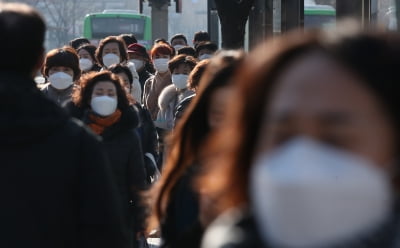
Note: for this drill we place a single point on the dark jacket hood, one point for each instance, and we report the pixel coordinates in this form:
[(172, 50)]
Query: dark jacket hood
[(26, 115)]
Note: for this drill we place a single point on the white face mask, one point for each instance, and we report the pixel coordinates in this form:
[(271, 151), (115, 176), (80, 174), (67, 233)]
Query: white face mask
[(180, 80), (111, 59), (307, 194), (177, 47), (85, 64), (104, 105), (138, 63), (60, 80), (161, 65), (205, 56)]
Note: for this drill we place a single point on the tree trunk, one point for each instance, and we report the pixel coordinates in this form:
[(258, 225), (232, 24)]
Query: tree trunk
[(233, 15)]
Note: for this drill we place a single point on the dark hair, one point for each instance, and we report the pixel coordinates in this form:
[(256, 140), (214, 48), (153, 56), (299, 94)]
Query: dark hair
[(91, 49), (178, 36), (201, 36), (196, 74), (17, 22), (206, 45), (187, 50), (65, 56), (122, 69), (370, 56), (128, 38), (77, 42), (161, 49), (181, 59), (121, 46), (161, 41), (192, 130), (82, 95)]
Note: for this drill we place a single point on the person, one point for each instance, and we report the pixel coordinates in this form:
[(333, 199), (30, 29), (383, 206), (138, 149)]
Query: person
[(313, 145), (139, 56), (128, 39), (190, 51), (178, 41), (200, 36), (61, 69), (112, 50), (146, 129), (175, 203), (77, 42), (160, 55), (193, 84), (105, 107), (55, 182), (205, 50), (180, 67), (87, 59)]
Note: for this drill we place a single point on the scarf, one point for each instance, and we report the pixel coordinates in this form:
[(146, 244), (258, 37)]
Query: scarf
[(99, 124)]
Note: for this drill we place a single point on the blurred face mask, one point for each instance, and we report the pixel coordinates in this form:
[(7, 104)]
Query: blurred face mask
[(161, 65), (307, 194), (138, 63), (180, 80), (103, 105), (177, 47), (60, 80), (85, 64), (205, 56), (110, 59)]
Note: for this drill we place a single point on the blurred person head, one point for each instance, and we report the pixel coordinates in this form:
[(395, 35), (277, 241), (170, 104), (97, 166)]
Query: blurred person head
[(190, 51), (124, 73), (160, 55), (200, 36), (128, 38), (139, 56), (313, 131), (193, 128), (102, 93), (111, 50), (178, 41), (205, 50), (77, 42), (18, 21), (180, 67), (196, 74), (61, 67), (87, 57), (160, 41)]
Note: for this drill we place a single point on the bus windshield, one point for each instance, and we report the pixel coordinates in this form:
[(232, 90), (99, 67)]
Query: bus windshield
[(318, 21), (103, 27)]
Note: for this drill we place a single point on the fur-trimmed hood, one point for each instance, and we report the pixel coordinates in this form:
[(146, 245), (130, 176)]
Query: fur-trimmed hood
[(171, 94)]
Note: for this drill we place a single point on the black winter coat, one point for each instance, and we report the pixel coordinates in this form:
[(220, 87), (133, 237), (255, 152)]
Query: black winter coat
[(55, 183), (126, 159)]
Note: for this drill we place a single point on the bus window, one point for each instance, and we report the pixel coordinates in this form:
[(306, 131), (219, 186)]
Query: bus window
[(100, 25)]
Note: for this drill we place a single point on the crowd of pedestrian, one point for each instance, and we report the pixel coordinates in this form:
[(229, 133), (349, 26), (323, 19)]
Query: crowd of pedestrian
[(294, 144)]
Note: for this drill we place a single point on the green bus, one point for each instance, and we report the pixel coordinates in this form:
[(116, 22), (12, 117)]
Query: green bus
[(319, 16), (97, 26)]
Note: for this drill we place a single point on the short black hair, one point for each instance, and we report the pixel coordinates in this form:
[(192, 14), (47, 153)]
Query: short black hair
[(118, 68), (201, 36), (178, 36), (77, 42), (18, 21), (206, 45), (128, 38), (187, 50)]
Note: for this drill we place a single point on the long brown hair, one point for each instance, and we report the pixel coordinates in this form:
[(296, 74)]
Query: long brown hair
[(191, 131), (370, 56)]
